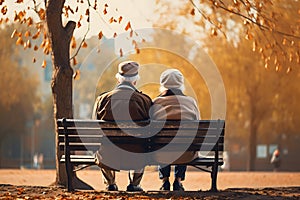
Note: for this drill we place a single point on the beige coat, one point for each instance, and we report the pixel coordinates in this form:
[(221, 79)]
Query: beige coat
[(174, 105)]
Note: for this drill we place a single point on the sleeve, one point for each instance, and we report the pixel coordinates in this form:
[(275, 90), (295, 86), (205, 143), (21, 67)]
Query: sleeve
[(197, 111)]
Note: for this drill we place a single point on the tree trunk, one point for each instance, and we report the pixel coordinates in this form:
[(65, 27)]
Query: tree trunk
[(62, 81), (61, 84), (252, 146)]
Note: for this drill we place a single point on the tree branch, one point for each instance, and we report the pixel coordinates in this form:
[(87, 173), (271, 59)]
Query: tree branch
[(258, 24), (87, 31), (70, 27)]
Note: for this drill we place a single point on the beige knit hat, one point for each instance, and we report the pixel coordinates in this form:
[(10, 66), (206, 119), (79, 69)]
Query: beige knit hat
[(172, 79)]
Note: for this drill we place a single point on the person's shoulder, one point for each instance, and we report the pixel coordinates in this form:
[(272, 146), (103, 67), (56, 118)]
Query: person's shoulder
[(144, 96), (189, 98)]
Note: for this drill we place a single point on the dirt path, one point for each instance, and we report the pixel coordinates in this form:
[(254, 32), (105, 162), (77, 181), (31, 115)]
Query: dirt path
[(34, 184)]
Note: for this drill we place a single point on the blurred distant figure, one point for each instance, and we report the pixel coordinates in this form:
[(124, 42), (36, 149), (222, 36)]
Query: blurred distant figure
[(275, 160), (35, 161), (41, 161), (226, 165)]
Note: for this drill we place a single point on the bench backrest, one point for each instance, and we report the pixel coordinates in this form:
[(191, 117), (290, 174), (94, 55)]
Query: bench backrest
[(203, 135)]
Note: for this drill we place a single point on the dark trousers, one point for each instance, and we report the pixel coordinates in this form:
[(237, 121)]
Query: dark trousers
[(179, 171)]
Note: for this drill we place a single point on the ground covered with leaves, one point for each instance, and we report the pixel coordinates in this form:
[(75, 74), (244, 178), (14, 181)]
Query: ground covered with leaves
[(37, 192)]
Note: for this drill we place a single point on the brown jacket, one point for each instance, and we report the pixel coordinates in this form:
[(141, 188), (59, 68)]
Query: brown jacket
[(122, 103)]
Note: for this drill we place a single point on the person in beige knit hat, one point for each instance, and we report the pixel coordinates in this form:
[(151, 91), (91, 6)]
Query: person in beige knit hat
[(124, 102), (172, 104)]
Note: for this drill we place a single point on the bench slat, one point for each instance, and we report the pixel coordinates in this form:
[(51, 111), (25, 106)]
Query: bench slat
[(154, 124), (178, 139), (143, 132)]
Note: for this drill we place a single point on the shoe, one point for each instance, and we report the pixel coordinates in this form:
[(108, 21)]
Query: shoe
[(177, 186), (166, 186), (112, 187), (134, 188)]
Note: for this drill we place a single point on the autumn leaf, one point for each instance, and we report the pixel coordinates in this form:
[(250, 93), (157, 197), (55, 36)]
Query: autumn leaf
[(19, 1), (121, 52), (33, 60), (100, 35), (76, 75), (115, 35), (42, 14), (248, 36), (254, 46), (134, 43), (128, 26), (27, 34), (87, 12), (4, 10), (284, 41), (291, 57), (29, 21), (14, 33), (214, 32), (75, 61), (43, 44), (104, 11), (84, 45), (137, 50), (266, 66), (44, 64), (111, 20), (28, 44), (192, 11), (35, 47), (120, 19), (73, 43), (19, 41), (35, 36)]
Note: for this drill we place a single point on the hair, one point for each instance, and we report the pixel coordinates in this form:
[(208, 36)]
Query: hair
[(122, 79), (162, 88)]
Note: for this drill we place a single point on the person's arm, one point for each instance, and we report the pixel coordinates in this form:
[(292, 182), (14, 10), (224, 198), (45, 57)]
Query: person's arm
[(197, 111)]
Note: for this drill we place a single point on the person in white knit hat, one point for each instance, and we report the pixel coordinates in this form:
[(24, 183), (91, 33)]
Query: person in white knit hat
[(172, 104)]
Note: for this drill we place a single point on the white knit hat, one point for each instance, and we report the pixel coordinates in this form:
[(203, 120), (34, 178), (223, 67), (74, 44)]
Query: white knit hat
[(172, 79)]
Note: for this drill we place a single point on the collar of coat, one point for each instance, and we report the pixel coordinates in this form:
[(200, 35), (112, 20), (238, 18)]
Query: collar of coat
[(171, 92), (126, 85)]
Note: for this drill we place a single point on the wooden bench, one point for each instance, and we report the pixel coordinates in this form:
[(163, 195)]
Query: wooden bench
[(79, 139)]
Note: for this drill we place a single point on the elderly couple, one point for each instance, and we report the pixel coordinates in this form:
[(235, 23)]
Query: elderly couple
[(171, 104)]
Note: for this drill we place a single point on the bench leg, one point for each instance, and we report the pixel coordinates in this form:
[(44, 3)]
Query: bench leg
[(70, 174), (214, 174)]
